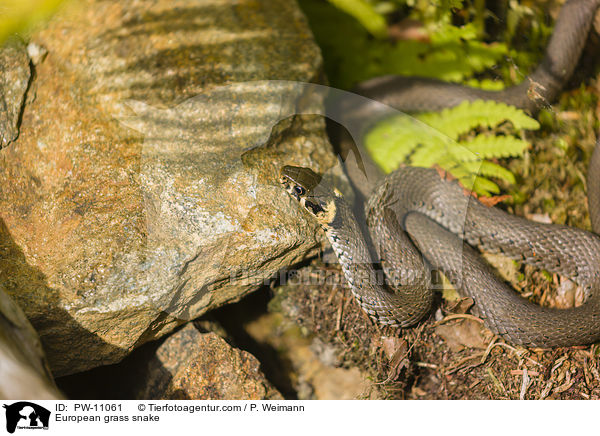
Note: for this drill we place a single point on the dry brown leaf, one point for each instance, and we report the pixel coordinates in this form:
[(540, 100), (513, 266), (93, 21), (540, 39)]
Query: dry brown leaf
[(465, 333)]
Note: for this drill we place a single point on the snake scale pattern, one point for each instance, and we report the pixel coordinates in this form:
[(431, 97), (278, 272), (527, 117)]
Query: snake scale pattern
[(413, 213)]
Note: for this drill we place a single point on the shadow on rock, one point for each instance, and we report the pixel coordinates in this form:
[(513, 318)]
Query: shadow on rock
[(29, 288)]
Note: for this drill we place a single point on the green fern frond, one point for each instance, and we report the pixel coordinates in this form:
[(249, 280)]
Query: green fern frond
[(396, 138), (487, 84), (431, 139), (485, 187), (429, 154), (472, 181), (489, 169), (485, 146), (466, 116)]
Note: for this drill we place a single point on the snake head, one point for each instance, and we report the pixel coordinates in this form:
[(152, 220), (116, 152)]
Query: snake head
[(307, 188)]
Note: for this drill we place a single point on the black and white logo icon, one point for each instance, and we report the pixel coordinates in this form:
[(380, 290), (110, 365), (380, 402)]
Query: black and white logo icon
[(26, 415)]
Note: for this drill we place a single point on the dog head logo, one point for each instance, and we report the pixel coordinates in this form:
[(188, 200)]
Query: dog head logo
[(26, 415)]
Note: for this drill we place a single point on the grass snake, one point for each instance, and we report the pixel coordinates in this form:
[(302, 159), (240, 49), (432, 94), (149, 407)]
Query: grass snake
[(413, 213)]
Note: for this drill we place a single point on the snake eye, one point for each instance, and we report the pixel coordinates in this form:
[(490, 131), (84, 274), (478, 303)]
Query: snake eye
[(299, 190)]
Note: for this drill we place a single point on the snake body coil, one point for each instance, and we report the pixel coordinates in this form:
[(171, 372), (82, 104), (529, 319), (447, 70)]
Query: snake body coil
[(414, 213)]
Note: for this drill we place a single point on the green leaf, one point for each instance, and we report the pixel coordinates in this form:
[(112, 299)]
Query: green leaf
[(394, 139), (352, 55), (20, 16), (486, 187), (429, 139), (485, 146), (428, 154), (489, 169), (487, 84), (365, 14), (468, 115)]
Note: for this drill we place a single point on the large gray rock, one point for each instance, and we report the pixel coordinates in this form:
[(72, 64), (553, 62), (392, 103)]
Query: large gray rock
[(126, 205)]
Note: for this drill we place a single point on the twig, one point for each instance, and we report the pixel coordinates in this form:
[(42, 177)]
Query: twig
[(426, 365), (524, 384), (457, 316), (457, 366), (514, 350), (338, 321), (520, 372)]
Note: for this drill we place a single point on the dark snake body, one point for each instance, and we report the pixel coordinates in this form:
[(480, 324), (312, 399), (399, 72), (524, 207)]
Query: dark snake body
[(434, 212)]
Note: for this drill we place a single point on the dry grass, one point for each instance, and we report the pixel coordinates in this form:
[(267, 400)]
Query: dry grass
[(418, 363)]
